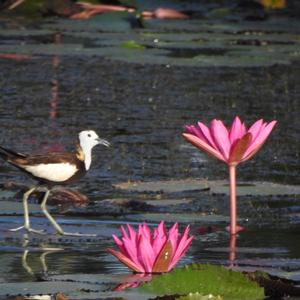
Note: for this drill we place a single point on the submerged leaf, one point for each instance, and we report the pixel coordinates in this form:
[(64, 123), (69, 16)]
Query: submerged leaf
[(205, 279)]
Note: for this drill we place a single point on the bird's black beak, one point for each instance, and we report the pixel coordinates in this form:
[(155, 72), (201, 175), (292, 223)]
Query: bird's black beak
[(103, 142)]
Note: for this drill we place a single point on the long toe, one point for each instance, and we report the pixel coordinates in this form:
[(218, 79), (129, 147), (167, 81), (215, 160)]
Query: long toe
[(36, 231), (28, 229), (77, 234), (17, 229)]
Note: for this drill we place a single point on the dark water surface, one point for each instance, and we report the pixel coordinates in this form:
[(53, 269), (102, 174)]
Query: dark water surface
[(82, 77)]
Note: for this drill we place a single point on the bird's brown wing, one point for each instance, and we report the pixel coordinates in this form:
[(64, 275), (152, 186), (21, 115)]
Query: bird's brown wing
[(51, 158)]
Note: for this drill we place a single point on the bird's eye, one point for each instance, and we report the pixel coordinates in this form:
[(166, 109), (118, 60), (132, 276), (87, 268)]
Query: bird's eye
[(89, 135)]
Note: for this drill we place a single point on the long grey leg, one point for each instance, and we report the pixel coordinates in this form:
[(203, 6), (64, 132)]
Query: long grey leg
[(47, 214), (54, 223), (26, 214)]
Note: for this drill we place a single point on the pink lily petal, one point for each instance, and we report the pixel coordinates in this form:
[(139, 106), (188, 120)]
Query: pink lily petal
[(258, 132), (132, 233), (132, 252), (158, 243), (124, 232), (204, 146), (173, 235), (256, 128), (158, 231), (144, 230), (183, 245), (264, 132), (161, 229), (239, 148), (117, 240), (244, 129), (237, 130), (259, 141), (178, 255), (207, 134), (159, 238), (196, 131), (220, 135), (146, 254), (119, 244), (125, 260), (163, 259)]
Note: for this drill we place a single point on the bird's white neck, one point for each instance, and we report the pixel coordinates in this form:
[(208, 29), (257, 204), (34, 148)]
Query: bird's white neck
[(87, 151), (84, 153)]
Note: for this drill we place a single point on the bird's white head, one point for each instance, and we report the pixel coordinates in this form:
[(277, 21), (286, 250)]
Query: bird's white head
[(88, 139)]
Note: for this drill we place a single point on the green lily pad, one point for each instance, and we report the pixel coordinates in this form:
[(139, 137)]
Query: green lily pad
[(181, 218), (131, 44), (219, 13), (215, 45), (204, 279)]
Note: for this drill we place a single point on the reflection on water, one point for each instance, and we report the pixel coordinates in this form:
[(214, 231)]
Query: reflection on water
[(37, 259), (44, 253), (54, 82), (232, 249), (72, 266)]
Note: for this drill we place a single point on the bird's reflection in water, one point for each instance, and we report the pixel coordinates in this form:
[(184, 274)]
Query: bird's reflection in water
[(45, 251)]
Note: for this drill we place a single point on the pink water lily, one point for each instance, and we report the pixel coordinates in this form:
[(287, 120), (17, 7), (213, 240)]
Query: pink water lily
[(145, 251), (232, 146)]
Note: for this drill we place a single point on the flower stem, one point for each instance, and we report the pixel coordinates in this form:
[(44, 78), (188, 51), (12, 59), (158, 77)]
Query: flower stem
[(232, 176)]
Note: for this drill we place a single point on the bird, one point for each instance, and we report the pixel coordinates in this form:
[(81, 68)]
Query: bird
[(53, 169)]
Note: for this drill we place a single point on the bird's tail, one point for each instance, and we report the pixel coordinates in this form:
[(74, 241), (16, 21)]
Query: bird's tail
[(8, 154)]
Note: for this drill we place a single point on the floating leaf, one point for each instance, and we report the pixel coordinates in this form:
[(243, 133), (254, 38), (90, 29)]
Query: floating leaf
[(131, 44), (219, 13), (205, 279)]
